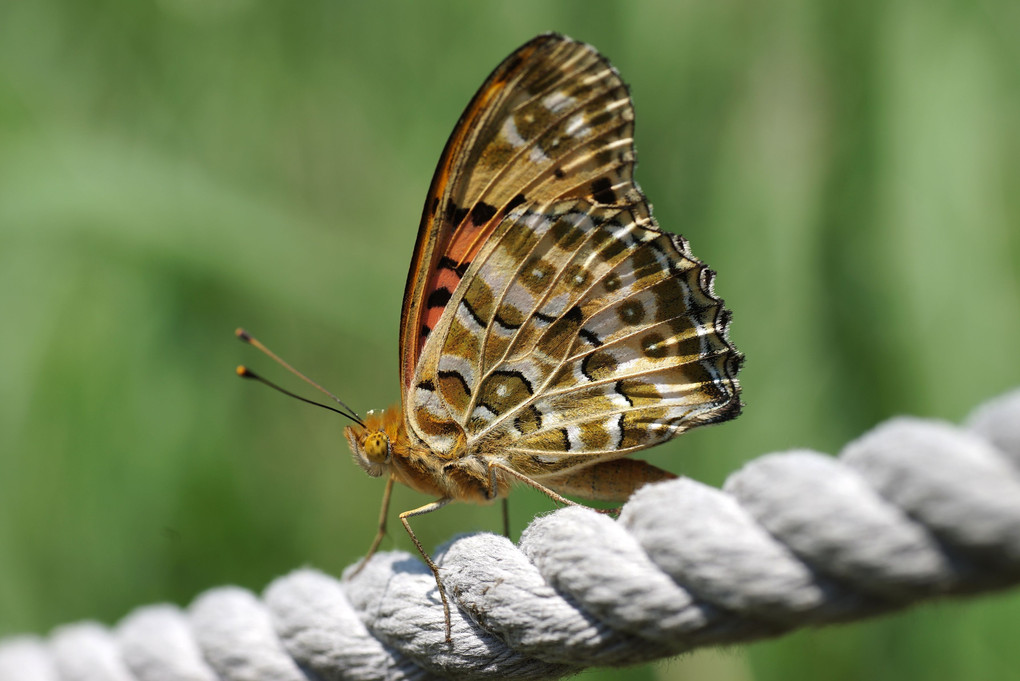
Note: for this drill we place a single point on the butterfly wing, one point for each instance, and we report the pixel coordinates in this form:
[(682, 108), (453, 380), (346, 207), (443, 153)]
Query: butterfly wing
[(529, 134), (581, 333), (574, 331)]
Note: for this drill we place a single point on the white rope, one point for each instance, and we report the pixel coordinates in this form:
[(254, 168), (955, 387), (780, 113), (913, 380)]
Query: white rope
[(912, 510)]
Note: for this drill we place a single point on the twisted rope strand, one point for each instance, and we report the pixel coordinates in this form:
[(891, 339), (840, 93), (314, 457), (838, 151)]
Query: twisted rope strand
[(912, 510)]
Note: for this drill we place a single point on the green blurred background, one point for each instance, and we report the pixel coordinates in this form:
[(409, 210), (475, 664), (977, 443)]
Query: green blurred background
[(170, 170)]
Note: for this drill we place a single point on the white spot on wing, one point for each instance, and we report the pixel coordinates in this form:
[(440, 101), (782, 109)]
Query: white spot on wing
[(510, 134), (483, 414), (537, 155), (613, 426), (558, 102), (613, 106), (430, 402), (597, 77), (574, 438), (576, 127)]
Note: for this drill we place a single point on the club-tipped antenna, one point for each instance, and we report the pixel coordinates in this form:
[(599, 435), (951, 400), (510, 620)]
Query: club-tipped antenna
[(245, 372), (251, 340)]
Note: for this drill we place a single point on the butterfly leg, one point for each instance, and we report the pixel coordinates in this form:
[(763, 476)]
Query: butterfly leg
[(421, 510), (558, 498), (383, 512), (506, 517)]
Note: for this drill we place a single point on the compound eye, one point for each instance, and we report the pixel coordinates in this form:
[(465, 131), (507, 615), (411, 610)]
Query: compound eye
[(377, 447)]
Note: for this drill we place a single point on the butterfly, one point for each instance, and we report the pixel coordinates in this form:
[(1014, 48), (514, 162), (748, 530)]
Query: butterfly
[(549, 328)]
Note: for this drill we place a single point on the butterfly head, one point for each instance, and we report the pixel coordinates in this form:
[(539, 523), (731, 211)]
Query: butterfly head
[(371, 449), (372, 445)]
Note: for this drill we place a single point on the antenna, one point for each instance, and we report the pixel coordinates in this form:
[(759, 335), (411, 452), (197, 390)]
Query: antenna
[(244, 372)]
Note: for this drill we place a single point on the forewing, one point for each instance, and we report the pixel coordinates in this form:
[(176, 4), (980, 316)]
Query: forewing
[(553, 121)]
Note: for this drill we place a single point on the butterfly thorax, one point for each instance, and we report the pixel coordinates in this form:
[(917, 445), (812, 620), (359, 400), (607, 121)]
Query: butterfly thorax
[(383, 447)]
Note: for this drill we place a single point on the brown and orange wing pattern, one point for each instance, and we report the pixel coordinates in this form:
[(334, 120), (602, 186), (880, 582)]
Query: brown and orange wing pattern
[(562, 328), (552, 119), (581, 333)]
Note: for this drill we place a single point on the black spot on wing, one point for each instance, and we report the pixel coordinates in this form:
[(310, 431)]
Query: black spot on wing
[(448, 264), (512, 63), (558, 172), (427, 385), (425, 331), (547, 319), (586, 367), (482, 213), (515, 201), (455, 214), (439, 298), (602, 190), (566, 439), (574, 315), (590, 337)]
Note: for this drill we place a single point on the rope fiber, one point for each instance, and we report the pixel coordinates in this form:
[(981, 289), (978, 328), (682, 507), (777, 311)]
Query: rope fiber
[(910, 511)]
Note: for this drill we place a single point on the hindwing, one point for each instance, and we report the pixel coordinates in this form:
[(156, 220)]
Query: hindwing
[(579, 333)]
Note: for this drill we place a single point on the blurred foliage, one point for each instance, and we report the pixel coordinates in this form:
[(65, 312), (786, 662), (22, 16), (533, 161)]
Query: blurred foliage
[(172, 169)]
